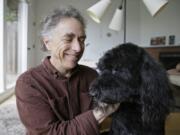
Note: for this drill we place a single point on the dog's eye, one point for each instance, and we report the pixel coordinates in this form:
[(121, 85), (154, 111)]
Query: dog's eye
[(114, 71), (98, 70)]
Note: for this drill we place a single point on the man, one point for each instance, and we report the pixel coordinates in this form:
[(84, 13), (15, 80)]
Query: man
[(52, 98)]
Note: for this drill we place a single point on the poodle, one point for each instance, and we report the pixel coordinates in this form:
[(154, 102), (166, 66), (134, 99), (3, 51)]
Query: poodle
[(130, 76)]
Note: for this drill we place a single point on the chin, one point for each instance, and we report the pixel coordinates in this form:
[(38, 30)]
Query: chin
[(72, 65)]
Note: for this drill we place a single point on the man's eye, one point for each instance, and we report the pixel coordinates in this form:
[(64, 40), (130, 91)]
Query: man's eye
[(68, 40), (82, 40)]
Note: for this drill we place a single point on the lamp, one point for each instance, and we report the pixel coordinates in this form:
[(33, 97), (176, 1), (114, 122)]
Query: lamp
[(154, 6), (117, 20), (97, 11), (116, 23)]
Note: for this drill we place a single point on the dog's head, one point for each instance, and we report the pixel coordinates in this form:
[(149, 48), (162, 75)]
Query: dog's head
[(119, 70), (127, 72)]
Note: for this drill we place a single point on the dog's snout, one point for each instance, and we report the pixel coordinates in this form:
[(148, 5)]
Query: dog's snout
[(92, 92)]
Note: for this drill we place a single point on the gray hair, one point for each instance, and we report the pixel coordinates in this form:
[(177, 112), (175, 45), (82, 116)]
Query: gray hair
[(52, 20)]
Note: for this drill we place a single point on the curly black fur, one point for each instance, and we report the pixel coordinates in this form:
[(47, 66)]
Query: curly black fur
[(130, 76)]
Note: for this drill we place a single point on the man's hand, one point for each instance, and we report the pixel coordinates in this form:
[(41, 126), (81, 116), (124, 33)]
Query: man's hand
[(101, 113)]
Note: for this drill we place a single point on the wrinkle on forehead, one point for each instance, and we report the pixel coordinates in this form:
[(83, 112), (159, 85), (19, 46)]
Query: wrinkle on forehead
[(71, 35), (70, 26)]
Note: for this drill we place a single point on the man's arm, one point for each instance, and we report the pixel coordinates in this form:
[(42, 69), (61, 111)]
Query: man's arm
[(37, 116)]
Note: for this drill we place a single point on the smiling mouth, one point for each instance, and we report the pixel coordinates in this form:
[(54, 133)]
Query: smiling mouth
[(72, 56)]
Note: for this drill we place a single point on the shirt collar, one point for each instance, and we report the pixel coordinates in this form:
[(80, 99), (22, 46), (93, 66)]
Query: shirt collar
[(52, 70)]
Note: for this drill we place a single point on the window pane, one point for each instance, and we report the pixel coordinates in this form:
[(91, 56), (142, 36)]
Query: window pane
[(11, 27)]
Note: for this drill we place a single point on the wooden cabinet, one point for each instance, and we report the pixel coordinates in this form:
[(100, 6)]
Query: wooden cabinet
[(155, 51)]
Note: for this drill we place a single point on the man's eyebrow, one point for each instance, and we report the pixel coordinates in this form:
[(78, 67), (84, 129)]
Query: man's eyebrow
[(83, 36), (72, 35), (69, 35)]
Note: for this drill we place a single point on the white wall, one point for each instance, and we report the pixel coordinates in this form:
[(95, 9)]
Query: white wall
[(32, 36), (31, 33), (166, 23)]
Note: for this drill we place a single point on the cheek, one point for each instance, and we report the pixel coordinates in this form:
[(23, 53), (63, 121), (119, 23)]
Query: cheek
[(82, 52), (58, 50), (83, 48), (61, 51)]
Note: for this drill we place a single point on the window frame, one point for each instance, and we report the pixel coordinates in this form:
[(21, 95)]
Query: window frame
[(2, 46), (22, 42)]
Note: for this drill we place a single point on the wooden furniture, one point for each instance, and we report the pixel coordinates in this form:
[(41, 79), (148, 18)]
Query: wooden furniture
[(155, 51), (172, 125)]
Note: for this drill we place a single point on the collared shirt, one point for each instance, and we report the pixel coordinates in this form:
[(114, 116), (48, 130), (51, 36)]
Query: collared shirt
[(51, 104)]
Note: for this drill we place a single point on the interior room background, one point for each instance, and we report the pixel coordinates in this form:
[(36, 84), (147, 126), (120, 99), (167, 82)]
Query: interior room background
[(140, 27)]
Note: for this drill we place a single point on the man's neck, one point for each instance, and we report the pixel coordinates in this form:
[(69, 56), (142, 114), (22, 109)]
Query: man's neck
[(60, 68)]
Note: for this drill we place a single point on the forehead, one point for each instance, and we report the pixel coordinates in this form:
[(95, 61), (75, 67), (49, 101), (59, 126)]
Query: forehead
[(69, 26)]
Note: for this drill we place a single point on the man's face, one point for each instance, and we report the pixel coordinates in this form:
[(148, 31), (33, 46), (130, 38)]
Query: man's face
[(67, 43)]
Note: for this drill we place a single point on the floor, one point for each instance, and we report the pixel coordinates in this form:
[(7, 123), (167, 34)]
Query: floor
[(10, 123), (9, 120), (10, 101)]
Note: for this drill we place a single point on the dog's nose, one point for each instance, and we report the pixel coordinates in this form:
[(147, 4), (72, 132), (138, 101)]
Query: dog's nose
[(92, 93)]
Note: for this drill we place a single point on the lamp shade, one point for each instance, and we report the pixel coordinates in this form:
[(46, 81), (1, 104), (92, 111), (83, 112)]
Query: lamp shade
[(98, 10), (154, 6), (117, 20)]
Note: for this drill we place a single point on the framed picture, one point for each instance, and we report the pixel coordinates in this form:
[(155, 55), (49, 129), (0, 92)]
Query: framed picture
[(158, 40), (171, 39), (153, 41)]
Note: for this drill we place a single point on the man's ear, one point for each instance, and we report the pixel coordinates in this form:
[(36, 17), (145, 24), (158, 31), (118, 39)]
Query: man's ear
[(47, 43)]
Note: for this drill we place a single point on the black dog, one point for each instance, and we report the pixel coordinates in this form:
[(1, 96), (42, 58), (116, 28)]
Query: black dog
[(128, 75)]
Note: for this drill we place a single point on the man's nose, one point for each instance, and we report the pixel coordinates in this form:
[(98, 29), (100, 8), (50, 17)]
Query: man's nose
[(76, 45)]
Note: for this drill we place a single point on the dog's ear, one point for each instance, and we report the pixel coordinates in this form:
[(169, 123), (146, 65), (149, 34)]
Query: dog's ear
[(156, 95)]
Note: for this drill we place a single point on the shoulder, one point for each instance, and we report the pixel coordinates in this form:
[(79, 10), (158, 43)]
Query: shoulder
[(87, 70), (29, 74), (28, 83), (86, 74)]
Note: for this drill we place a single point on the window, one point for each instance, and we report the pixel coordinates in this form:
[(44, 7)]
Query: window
[(13, 41), (2, 73)]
